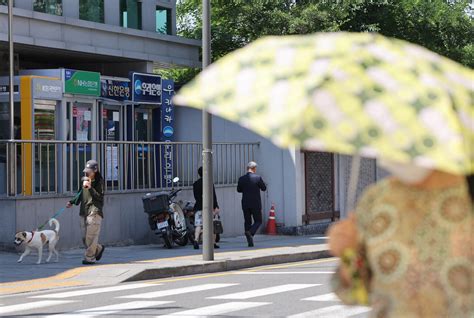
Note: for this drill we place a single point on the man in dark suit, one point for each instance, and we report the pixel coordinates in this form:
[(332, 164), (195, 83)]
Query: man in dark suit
[(250, 186)]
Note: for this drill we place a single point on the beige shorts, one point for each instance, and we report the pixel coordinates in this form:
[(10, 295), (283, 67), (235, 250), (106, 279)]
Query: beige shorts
[(198, 218)]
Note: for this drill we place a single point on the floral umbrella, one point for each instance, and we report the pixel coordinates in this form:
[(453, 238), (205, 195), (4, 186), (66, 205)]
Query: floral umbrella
[(349, 93)]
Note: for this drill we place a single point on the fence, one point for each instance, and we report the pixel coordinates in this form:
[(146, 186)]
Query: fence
[(41, 167)]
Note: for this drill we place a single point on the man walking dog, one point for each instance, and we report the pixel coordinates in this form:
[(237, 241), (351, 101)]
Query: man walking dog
[(250, 186), (91, 199)]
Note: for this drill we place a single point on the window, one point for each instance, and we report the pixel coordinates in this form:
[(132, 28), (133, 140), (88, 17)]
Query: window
[(49, 6), (163, 20), (4, 2), (5, 120), (91, 10), (131, 14)]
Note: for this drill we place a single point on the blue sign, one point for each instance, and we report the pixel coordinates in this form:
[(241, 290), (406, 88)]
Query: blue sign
[(114, 89), (146, 88), (167, 132)]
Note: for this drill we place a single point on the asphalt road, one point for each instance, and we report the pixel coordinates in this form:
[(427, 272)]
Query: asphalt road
[(289, 290)]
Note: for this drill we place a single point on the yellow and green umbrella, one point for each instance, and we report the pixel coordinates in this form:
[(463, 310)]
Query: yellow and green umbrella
[(349, 93)]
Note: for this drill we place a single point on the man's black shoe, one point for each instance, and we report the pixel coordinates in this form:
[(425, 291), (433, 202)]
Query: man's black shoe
[(99, 256), (84, 262), (216, 246), (249, 237), (196, 245)]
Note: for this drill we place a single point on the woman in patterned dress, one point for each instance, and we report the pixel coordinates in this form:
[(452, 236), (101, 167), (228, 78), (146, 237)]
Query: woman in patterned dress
[(416, 230)]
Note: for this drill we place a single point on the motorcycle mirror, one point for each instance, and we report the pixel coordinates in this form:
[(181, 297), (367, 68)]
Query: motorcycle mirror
[(176, 180)]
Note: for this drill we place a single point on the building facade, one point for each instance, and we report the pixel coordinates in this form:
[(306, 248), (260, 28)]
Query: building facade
[(112, 37)]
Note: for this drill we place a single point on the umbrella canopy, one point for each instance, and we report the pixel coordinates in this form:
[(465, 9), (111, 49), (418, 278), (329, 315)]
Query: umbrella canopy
[(350, 93)]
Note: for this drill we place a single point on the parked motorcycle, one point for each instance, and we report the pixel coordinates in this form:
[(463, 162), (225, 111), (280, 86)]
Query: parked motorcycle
[(189, 215), (166, 217)]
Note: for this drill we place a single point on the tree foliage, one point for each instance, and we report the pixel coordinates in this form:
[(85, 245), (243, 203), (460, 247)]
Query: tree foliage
[(443, 26)]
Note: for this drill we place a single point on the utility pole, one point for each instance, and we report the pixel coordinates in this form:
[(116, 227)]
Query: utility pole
[(11, 75), (11, 147), (208, 197)]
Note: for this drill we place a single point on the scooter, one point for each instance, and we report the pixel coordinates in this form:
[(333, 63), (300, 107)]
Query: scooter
[(166, 217), (189, 215)]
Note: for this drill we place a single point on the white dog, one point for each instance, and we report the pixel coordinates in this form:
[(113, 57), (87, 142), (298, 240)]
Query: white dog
[(38, 239)]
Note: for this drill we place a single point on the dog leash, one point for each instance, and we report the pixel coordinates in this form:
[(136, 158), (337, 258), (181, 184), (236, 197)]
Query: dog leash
[(59, 212)]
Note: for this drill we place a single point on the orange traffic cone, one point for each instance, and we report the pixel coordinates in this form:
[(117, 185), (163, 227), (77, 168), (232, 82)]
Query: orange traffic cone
[(271, 225)]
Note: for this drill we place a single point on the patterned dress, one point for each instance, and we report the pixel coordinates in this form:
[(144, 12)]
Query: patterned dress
[(420, 249)]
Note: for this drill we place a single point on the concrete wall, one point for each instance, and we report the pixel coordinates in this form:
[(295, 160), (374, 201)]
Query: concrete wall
[(278, 167), (8, 222), (368, 176), (124, 223)]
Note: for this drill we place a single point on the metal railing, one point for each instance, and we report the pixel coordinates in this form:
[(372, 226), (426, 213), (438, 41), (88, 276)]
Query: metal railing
[(42, 167)]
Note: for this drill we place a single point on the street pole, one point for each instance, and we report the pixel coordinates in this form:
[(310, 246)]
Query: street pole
[(11, 75), (11, 155), (207, 200)]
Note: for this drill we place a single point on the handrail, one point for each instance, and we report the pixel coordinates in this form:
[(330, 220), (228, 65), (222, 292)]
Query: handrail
[(124, 142), (53, 167)]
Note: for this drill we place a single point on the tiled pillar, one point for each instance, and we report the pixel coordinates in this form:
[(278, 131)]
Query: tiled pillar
[(71, 9), (24, 4), (149, 15), (112, 12)]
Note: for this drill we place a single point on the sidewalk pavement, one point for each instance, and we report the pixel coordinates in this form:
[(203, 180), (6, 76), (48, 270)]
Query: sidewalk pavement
[(142, 262)]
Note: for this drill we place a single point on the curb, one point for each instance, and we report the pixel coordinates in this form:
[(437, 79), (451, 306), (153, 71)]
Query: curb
[(225, 265)]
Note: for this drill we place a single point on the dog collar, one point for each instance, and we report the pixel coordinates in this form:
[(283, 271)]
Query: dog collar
[(32, 234)]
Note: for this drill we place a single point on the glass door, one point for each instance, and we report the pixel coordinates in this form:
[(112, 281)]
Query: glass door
[(81, 128), (144, 155), (111, 130), (5, 134), (45, 154), (81, 121), (143, 124)]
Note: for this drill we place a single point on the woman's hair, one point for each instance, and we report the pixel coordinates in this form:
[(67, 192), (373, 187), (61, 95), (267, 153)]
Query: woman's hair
[(470, 185), (200, 172), (98, 176)]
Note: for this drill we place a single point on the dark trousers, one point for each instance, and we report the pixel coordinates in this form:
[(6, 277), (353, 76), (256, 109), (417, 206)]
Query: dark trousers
[(256, 214)]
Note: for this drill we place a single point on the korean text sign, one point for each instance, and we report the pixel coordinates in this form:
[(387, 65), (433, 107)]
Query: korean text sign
[(115, 89), (167, 132), (81, 82), (146, 88)]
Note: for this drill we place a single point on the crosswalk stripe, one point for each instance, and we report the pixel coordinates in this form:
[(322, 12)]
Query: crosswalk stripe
[(265, 291), (214, 310), (282, 273), (33, 305), (319, 238), (339, 311), (325, 297), (177, 291), (96, 291), (111, 309)]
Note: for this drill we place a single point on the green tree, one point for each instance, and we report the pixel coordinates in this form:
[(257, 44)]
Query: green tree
[(443, 26)]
